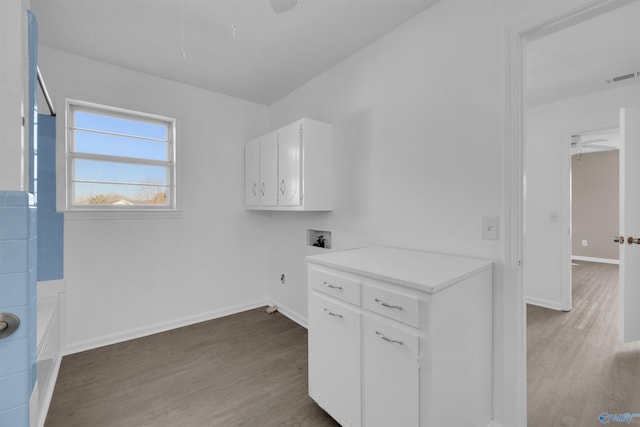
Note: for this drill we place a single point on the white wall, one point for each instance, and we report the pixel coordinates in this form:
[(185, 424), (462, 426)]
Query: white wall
[(417, 161), (419, 136), (419, 117), (548, 132), (126, 277), (13, 88)]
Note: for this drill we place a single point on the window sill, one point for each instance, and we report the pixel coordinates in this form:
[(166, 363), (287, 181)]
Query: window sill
[(104, 214)]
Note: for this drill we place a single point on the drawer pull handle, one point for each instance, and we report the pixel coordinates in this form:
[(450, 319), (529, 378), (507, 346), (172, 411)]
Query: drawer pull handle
[(384, 304), (331, 313), (329, 285), (381, 335)]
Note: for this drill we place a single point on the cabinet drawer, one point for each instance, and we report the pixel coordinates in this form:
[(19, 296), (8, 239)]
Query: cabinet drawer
[(337, 285), (401, 307)]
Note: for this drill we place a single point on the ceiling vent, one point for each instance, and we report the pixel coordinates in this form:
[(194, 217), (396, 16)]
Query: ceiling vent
[(622, 78)]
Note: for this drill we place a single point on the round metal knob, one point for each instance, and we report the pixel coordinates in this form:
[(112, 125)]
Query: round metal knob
[(9, 323)]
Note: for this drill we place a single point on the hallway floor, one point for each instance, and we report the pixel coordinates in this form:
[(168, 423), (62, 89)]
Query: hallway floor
[(576, 366)]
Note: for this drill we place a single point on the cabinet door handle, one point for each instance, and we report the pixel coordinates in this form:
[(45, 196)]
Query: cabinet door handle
[(262, 189), (384, 337), (331, 313), (255, 186), (384, 304), (329, 285), (282, 187)]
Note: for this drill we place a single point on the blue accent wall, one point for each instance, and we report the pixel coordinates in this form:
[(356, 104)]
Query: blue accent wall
[(50, 222), (18, 259), (33, 103)]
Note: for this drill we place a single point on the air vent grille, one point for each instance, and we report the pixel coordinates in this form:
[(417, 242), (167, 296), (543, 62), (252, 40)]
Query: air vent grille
[(621, 78)]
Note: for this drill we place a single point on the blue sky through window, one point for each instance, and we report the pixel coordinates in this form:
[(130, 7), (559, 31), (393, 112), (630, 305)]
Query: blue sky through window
[(87, 120), (129, 180)]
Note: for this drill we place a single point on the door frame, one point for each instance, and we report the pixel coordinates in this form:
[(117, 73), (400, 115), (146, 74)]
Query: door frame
[(514, 357)]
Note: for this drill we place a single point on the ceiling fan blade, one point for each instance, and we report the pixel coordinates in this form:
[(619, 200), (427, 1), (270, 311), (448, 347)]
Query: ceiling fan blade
[(601, 147), (593, 141), (282, 6)]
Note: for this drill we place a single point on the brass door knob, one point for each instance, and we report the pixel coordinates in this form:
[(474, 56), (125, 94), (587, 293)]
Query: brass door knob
[(631, 240)]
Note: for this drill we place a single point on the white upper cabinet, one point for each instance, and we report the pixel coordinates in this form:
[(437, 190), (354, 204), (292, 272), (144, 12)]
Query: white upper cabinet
[(290, 165), (294, 168), (268, 167), (252, 173)]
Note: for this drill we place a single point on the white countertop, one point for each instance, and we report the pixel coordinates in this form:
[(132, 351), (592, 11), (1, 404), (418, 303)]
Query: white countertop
[(428, 272)]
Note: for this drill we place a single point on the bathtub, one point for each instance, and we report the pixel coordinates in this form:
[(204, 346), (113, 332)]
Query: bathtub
[(49, 344)]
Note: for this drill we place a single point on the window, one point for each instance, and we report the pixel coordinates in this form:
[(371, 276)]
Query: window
[(119, 159)]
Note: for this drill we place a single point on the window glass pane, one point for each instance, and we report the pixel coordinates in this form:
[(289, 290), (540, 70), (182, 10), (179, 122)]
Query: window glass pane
[(119, 195), (87, 120), (94, 170), (111, 155), (111, 145)]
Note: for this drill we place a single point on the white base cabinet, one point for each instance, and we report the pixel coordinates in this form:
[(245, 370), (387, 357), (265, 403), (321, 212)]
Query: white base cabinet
[(391, 372), (401, 338), (335, 344)]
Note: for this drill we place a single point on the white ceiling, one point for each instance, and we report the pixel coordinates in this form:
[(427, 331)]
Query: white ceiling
[(272, 54), (577, 60), (275, 53)]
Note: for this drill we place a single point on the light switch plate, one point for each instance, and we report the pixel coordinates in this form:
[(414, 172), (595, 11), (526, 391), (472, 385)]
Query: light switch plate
[(489, 228)]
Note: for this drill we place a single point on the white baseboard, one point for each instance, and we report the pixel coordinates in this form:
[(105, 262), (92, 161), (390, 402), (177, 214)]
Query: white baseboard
[(554, 305), (159, 327), (291, 314), (592, 259)]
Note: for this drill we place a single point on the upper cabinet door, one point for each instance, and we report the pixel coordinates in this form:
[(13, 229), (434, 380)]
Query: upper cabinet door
[(294, 168), (252, 173), (269, 170), (290, 165)]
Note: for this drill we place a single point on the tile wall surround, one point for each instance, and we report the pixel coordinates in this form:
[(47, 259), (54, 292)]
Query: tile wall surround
[(18, 259), (50, 222)]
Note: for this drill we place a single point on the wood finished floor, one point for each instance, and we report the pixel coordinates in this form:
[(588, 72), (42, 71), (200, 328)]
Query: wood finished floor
[(577, 367), (248, 369)]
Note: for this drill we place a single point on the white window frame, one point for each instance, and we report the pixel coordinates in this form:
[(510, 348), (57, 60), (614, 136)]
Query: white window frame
[(73, 105)]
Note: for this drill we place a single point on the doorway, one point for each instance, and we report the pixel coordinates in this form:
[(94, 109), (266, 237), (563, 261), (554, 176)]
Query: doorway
[(516, 260), (595, 196)]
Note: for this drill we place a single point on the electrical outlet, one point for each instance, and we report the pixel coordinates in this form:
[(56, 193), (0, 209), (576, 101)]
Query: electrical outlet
[(585, 243), (282, 279)]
